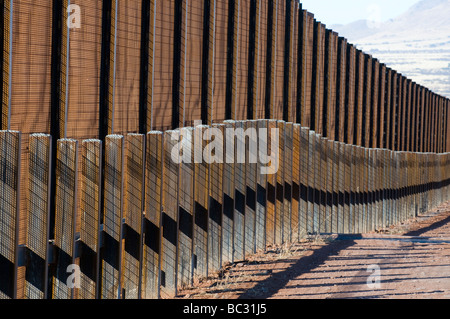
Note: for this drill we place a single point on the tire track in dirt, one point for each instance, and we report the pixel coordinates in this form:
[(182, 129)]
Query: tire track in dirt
[(413, 260)]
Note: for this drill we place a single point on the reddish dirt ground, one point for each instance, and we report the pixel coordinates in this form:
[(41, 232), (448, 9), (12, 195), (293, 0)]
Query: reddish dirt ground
[(413, 260)]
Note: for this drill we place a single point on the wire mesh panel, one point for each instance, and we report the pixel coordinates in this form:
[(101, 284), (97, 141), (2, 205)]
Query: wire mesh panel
[(193, 68), (38, 219), (169, 222), (294, 60), (128, 66), (29, 83), (370, 198), (240, 190), (251, 160), (91, 173), (228, 201), (152, 221), (163, 64), (358, 111), (376, 194), (262, 58), (296, 181), (391, 178), (201, 197), (341, 88), (331, 212), (215, 151), (112, 217), (352, 154), (310, 170), (304, 182), (132, 213), (318, 78), (339, 177), (84, 73), (272, 147), (375, 124), (5, 53), (221, 58), (362, 190), (346, 153), (186, 208), (349, 106), (369, 116), (279, 190), (279, 31), (357, 189), (10, 152), (287, 197), (242, 62), (384, 189), (331, 74), (316, 187), (307, 67), (65, 214), (261, 187), (322, 187)]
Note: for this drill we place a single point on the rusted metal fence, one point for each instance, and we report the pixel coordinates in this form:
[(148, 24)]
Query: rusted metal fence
[(359, 146), (170, 208)]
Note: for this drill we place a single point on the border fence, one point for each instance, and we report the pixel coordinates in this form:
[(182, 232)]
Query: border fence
[(87, 110), (157, 224)]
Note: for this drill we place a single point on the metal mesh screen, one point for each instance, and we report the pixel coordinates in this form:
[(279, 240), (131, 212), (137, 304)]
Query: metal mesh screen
[(215, 199), (128, 65), (133, 209), (279, 29), (91, 166), (242, 66), (5, 59), (38, 223), (261, 188), (307, 66), (112, 217), (271, 183), (296, 181), (201, 197), (65, 214), (194, 60), (279, 188), (318, 77), (262, 58), (240, 191), (169, 222), (311, 170), (330, 197), (287, 196), (9, 209), (162, 102), (186, 208), (152, 221), (323, 174), (228, 203), (304, 181), (84, 73), (251, 182), (221, 54)]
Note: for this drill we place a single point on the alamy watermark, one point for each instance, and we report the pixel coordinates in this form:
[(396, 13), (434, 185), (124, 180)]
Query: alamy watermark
[(74, 279), (374, 280), (231, 146), (74, 16)]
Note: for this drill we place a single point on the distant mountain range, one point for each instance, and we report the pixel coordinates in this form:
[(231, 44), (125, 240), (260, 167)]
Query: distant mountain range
[(416, 43)]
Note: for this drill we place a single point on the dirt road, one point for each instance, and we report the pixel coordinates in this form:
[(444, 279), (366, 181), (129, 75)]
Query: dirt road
[(410, 261)]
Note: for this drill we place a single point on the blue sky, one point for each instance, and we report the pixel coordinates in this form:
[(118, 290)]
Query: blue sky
[(332, 12)]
